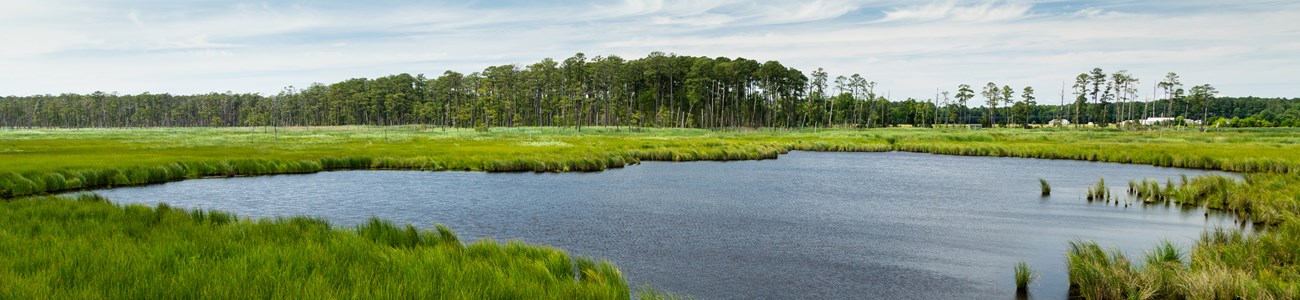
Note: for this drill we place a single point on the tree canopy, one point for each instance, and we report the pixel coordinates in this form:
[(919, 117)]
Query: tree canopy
[(659, 90)]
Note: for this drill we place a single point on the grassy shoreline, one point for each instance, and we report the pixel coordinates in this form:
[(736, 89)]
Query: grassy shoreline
[(87, 247), (48, 161), (39, 162)]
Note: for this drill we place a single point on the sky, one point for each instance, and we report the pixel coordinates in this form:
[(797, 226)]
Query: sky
[(910, 48)]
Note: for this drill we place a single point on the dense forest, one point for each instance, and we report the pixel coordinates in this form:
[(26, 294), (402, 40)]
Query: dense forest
[(660, 90)]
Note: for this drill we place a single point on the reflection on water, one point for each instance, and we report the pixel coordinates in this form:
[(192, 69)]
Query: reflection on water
[(808, 225)]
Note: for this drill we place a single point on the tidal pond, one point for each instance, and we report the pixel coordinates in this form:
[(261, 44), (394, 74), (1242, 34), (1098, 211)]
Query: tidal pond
[(808, 225)]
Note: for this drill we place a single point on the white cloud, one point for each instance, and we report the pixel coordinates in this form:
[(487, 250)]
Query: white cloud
[(951, 11), (636, 7), (209, 53), (798, 11), (134, 16), (653, 8), (702, 20)]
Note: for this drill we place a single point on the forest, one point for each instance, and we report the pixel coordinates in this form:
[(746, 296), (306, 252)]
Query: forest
[(660, 90)]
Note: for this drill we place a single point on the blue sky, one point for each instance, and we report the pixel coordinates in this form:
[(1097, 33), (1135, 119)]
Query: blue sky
[(910, 48)]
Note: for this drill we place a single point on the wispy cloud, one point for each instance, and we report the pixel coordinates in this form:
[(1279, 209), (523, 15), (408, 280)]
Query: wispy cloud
[(951, 11), (818, 10)]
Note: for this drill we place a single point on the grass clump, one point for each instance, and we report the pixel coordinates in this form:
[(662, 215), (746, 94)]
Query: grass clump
[(1150, 191), (1045, 188), (1024, 276), (1099, 192), (1098, 274), (87, 247)]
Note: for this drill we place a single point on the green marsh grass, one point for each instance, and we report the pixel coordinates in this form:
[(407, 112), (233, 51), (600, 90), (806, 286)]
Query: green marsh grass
[(42, 161), (86, 247), (1224, 263)]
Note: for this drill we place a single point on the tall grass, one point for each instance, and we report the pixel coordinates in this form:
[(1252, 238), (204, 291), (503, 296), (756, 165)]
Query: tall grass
[(86, 247)]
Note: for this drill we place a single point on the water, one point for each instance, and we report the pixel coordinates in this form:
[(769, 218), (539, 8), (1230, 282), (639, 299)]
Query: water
[(808, 225)]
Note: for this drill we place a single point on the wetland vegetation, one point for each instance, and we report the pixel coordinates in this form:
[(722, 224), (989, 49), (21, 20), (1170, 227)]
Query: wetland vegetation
[(41, 161), (528, 149), (1223, 264)]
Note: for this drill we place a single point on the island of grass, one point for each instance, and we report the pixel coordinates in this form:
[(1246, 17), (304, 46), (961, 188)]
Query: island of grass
[(263, 252)]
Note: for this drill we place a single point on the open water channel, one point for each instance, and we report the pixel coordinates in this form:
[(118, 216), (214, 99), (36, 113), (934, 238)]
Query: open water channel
[(808, 225)]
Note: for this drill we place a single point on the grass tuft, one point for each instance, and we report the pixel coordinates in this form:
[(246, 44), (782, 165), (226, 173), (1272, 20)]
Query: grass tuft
[(1024, 276), (1099, 192), (1044, 187)]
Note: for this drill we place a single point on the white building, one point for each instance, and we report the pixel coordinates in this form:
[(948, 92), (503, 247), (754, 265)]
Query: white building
[(1161, 120)]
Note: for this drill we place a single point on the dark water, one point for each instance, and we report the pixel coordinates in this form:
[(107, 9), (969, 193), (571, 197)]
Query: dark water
[(808, 225)]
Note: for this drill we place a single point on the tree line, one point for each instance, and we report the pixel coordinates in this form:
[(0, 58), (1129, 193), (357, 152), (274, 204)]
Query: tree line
[(659, 90)]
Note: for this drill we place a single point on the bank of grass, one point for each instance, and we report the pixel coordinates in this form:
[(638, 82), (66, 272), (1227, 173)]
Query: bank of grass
[(86, 247), (34, 162)]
